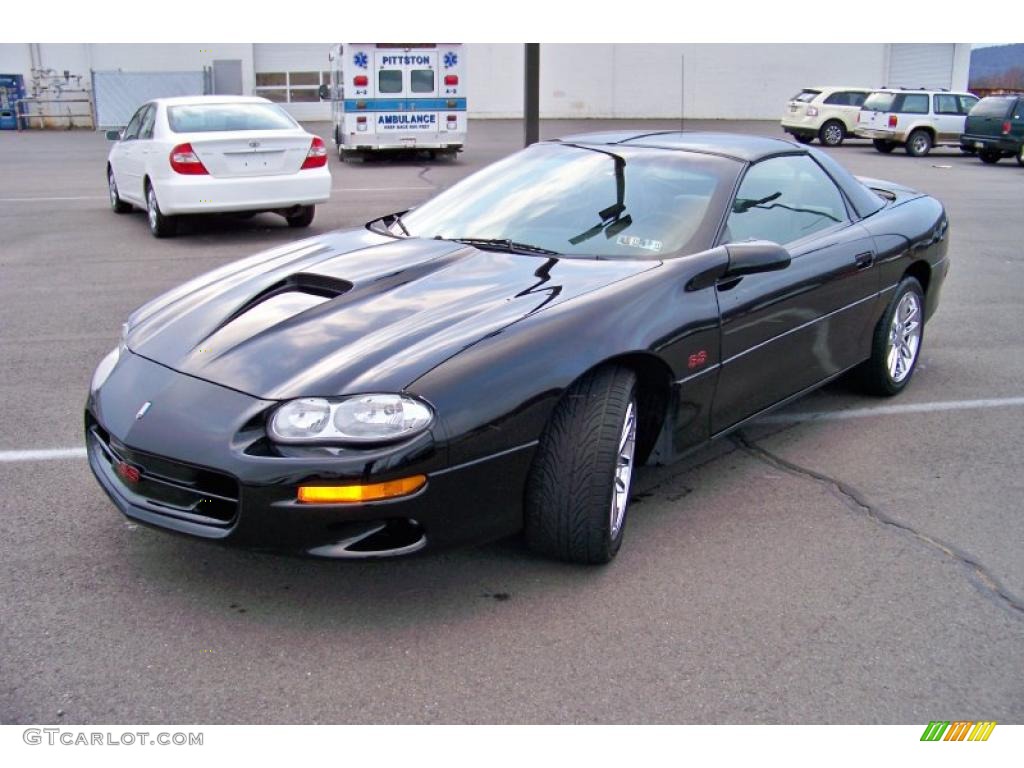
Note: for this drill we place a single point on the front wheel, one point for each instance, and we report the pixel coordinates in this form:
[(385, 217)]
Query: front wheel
[(832, 133), (301, 218), (159, 225), (896, 345), (919, 143), (117, 205), (883, 146), (577, 491)]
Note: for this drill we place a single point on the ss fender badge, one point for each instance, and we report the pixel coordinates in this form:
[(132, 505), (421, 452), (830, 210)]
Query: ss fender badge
[(697, 359), (143, 410)]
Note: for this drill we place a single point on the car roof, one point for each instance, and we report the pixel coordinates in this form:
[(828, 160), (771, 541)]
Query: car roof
[(738, 146), (198, 99), (823, 88)]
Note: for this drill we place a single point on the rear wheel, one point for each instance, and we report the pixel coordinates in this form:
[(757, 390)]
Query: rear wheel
[(832, 133), (301, 218), (577, 491), (117, 205), (990, 156), (883, 146), (919, 143), (896, 345), (159, 225)]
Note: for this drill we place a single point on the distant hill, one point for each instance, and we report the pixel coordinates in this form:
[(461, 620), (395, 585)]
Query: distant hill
[(999, 66)]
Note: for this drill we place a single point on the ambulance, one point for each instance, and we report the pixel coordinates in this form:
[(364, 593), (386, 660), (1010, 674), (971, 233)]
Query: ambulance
[(397, 96)]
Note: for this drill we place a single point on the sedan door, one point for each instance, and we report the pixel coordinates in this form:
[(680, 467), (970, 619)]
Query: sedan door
[(783, 332), (125, 159)]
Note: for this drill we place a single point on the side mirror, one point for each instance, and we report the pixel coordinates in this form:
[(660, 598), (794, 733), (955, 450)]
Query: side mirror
[(325, 92), (752, 257), (113, 135)]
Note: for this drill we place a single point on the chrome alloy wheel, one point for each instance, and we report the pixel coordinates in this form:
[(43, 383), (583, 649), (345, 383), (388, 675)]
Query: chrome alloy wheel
[(833, 135), (112, 188), (904, 337), (623, 470), (920, 143), (151, 209)]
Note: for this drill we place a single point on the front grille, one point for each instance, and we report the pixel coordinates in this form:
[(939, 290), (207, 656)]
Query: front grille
[(166, 486)]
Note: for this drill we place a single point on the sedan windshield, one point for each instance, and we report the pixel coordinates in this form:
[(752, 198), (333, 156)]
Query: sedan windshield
[(607, 201), (241, 116)]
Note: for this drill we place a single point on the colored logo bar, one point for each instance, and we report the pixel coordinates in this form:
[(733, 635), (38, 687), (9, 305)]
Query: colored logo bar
[(959, 730)]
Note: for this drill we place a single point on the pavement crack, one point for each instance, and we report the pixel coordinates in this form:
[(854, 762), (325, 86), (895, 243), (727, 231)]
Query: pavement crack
[(856, 501)]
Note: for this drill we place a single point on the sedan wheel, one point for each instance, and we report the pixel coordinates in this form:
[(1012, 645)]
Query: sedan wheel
[(159, 225), (896, 345), (117, 205), (578, 488)]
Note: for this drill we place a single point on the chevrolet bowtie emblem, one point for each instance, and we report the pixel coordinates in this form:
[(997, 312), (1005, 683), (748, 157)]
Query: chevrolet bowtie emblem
[(143, 409)]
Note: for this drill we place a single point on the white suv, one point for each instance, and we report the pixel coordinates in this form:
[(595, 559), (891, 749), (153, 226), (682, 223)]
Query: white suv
[(915, 119), (826, 113)]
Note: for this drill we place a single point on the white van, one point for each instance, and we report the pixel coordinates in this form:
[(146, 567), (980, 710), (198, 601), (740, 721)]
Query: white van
[(398, 96)]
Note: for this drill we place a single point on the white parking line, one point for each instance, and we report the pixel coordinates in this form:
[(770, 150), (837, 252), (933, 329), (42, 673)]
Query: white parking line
[(893, 410), (49, 454), (341, 190)]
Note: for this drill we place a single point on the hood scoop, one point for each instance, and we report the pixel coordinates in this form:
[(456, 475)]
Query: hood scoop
[(324, 286)]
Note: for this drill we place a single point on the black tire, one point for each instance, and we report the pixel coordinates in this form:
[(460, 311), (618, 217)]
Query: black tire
[(303, 218), (832, 133), (159, 225), (874, 373), (883, 146), (572, 483), (1020, 155), (117, 205), (919, 143), (990, 156), (803, 138)]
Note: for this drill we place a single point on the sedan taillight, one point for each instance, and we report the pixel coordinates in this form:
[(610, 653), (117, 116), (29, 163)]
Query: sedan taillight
[(317, 155), (185, 160)]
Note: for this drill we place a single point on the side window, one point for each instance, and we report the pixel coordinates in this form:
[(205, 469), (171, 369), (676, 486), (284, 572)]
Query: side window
[(132, 131), (389, 81), (421, 81), (913, 103), (966, 102), (1018, 111), (839, 99), (946, 104), (146, 126), (785, 199)]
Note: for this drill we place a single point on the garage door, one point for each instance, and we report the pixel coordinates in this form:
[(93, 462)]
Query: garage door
[(118, 94), (291, 74), (925, 65)]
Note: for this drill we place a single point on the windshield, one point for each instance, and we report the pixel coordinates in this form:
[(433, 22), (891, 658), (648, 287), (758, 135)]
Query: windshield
[(611, 201), (252, 116), (879, 102)]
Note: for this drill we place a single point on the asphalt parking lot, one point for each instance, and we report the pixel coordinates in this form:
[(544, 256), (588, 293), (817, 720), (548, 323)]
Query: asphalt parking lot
[(861, 566)]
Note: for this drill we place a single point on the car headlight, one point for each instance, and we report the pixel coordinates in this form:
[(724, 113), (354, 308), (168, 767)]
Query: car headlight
[(357, 419)]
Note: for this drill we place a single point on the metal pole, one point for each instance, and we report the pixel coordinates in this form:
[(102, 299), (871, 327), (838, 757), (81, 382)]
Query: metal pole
[(531, 95)]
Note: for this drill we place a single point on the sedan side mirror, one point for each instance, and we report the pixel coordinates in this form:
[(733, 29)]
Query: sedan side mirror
[(325, 92), (754, 256), (113, 135)]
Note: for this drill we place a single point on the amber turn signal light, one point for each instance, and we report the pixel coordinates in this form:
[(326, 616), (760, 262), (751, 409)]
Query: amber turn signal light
[(354, 494)]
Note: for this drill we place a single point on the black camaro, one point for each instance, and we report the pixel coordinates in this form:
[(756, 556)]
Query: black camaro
[(499, 358)]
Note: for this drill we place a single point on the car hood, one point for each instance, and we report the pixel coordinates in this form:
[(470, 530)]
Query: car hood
[(352, 311)]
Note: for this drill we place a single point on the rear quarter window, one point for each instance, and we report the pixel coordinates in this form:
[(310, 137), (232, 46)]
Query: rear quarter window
[(806, 96), (912, 103)]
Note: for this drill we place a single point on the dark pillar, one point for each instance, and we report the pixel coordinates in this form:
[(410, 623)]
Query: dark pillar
[(531, 95)]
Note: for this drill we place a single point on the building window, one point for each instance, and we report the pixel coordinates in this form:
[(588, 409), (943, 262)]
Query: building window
[(290, 87)]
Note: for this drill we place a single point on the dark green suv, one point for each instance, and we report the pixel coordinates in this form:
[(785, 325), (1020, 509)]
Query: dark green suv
[(995, 128)]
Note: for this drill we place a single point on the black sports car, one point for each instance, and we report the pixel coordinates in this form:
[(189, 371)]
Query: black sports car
[(499, 358)]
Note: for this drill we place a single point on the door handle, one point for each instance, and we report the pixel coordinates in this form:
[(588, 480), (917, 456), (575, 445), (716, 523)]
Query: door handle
[(864, 260)]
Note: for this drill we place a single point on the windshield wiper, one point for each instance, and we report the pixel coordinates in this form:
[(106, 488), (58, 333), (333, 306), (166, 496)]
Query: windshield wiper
[(504, 243), (742, 205)]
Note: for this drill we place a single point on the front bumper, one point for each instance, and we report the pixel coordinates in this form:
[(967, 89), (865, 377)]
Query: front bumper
[(181, 194), (204, 468)]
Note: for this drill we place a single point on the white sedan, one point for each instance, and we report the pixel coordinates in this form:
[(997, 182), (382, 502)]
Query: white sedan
[(213, 154)]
